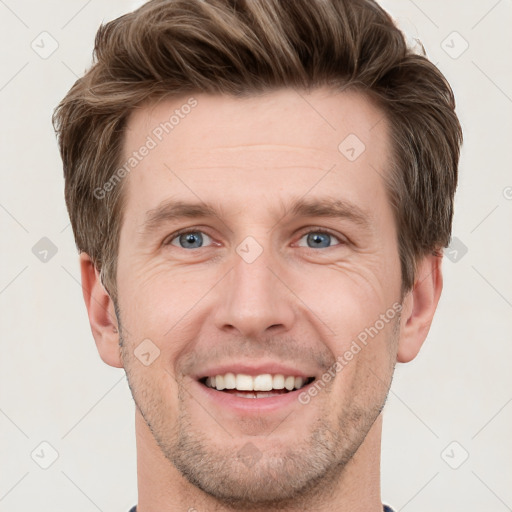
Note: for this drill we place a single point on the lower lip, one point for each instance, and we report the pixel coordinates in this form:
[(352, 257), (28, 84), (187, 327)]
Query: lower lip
[(248, 405)]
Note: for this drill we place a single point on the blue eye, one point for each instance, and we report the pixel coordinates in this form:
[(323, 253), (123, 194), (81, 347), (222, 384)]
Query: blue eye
[(189, 239), (194, 239), (319, 239)]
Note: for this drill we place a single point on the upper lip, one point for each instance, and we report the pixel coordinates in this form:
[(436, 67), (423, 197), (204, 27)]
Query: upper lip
[(272, 367)]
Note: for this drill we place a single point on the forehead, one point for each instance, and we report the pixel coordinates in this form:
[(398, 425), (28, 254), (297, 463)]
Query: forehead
[(265, 145)]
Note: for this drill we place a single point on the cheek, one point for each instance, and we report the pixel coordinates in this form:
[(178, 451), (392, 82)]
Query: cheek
[(155, 393), (157, 293), (347, 297), (359, 306), (367, 368), (159, 308)]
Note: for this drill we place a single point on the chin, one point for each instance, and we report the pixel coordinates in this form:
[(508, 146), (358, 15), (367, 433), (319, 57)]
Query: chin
[(262, 472)]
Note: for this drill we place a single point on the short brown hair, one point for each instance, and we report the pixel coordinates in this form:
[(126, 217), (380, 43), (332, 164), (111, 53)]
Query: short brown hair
[(242, 47)]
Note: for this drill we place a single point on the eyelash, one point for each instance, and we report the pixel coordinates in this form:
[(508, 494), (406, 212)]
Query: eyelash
[(322, 231)]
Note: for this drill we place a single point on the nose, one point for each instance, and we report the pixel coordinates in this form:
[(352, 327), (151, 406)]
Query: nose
[(254, 298)]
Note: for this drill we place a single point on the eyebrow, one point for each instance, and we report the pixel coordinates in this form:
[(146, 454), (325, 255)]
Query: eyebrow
[(331, 208), (326, 207)]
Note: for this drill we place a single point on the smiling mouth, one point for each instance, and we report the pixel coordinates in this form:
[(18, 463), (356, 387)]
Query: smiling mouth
[(259, 386)]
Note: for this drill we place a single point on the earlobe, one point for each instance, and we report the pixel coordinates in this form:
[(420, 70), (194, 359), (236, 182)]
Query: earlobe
[(419, 307), (100, 309)]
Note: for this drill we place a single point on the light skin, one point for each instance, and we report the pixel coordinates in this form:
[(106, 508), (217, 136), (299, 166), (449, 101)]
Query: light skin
[(299, 304)]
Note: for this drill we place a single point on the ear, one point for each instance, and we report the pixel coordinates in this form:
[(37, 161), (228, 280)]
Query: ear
[(102, 317), (419, 306)]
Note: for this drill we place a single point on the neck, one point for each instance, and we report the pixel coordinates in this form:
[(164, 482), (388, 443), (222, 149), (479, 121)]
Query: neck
[(162, 487)]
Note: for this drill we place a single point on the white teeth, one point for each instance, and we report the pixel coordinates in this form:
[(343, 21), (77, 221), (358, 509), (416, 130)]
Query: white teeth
[(278, 381), (219, 382), (263, 382), (246, 395), (256, 394), (244, 382), (299, 381), (229, 381), (289, 383)]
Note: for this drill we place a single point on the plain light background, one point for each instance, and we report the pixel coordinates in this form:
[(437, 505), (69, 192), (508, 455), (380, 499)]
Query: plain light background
[(447, 441)]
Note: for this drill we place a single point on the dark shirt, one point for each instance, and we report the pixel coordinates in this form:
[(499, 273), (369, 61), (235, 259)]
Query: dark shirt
[(385, 509)]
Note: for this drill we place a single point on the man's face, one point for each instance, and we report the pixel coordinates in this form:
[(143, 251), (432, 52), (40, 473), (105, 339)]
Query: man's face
[(264, 284)]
